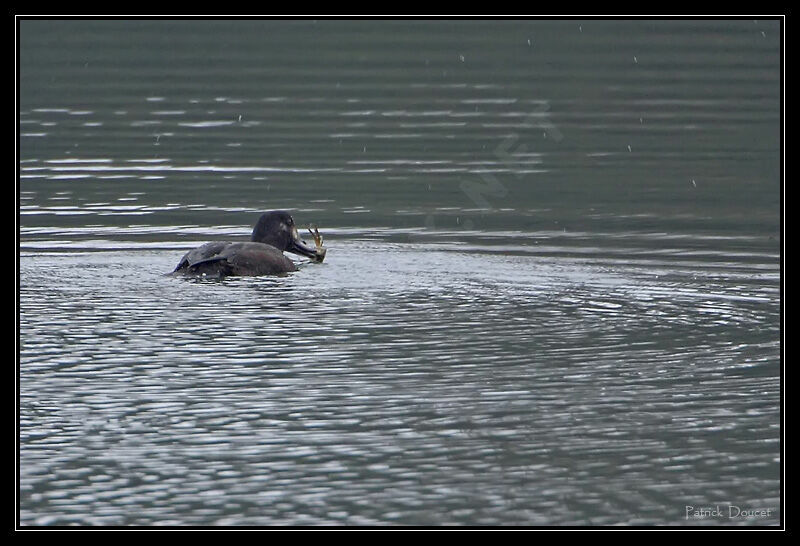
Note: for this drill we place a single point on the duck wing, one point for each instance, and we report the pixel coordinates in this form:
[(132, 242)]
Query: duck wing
[(201, 253)]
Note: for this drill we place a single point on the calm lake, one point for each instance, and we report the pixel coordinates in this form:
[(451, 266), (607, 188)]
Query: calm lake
[(552, 291)]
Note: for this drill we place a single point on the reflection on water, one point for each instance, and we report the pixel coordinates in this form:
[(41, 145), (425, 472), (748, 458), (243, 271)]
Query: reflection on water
[(552, 291)]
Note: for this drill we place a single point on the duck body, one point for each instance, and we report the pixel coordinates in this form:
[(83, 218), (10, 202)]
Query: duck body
[(238, 259), (262, 255)]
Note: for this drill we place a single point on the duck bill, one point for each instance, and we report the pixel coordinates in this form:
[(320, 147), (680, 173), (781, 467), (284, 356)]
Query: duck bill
[(298, 246)]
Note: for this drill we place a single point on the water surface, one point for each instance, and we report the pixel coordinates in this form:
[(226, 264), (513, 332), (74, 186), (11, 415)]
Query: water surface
[(551, 295)]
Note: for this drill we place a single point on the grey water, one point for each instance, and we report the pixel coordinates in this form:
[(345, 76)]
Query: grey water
[(552, 292)]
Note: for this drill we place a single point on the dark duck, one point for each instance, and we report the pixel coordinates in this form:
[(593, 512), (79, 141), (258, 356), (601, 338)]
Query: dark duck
[(274, 233)]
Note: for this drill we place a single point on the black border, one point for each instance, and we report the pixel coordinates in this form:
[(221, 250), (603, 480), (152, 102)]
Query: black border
[(19, 529)]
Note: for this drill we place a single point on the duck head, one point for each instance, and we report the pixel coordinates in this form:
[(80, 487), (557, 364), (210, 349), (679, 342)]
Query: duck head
[(276, 228)]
